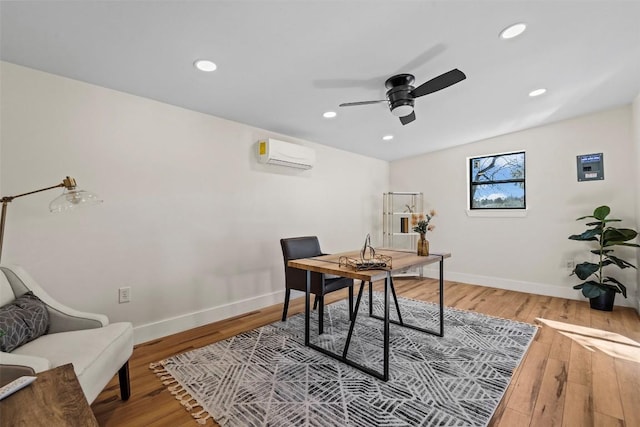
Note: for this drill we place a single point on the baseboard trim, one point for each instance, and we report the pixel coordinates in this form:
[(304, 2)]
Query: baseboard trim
[(521, 286), (173, 325)]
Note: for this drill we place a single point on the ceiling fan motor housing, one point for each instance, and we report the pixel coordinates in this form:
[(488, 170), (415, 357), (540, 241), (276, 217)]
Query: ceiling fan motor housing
[(399, 94)]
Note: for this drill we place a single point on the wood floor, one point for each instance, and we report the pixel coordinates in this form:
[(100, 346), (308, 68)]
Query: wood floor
[(559, 382)]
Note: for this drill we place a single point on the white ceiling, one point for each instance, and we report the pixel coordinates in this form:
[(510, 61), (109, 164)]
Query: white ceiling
[(281, 64)]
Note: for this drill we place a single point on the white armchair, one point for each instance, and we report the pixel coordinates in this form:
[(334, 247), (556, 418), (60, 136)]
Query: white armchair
[(96, 348)]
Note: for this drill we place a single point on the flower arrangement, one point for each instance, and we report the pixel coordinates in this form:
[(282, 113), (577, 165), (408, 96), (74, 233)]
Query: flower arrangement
[(420, 222)]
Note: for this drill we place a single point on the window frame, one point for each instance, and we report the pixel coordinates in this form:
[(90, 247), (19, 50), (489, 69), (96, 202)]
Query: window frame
[(470, 184)]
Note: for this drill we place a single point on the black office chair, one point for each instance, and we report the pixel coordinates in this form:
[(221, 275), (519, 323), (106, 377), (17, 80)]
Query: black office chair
[(321, 284)]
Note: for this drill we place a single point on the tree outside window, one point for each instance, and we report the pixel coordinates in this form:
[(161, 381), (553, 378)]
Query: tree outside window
[(497, 181)]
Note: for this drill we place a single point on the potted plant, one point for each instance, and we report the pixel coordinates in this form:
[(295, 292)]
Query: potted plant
[(600, 288)]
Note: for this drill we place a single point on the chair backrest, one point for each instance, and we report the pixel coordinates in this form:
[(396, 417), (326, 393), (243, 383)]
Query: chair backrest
[(300, 247)]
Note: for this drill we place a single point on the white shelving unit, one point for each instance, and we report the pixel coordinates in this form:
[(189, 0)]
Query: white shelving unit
[(398, 205)]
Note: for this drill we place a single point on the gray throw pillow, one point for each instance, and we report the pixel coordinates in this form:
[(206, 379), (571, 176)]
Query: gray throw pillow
[(23, 320)]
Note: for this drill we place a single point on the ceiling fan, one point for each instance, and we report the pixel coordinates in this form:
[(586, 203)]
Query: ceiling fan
[(401, 94)]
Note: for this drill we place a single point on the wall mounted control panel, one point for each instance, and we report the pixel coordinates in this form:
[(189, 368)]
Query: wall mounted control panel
[(590, 167)]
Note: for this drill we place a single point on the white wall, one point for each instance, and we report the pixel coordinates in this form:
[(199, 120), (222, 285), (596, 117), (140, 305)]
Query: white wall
[(190, 220), (636, 138), (529, 253)]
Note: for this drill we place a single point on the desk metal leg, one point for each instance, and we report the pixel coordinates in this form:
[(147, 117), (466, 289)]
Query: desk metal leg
[(387, 286), (343, 358), (306, 308), (395, 300), (441, 296), (440, 331), (353, 321)]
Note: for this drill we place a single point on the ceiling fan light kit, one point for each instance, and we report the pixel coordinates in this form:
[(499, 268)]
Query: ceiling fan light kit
[(401, 93)]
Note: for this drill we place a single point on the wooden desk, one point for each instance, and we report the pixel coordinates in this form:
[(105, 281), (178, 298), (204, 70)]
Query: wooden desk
[(54, 399), (401, 261)]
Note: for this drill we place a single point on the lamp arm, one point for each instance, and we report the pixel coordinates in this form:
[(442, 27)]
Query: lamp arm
[(68, 182), (7, 199)]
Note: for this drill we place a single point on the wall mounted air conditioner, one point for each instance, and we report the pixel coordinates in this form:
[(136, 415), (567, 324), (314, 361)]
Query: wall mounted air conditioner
[(274, 152)]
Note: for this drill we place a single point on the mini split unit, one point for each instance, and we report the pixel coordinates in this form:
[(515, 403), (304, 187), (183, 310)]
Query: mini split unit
[(274, 152)]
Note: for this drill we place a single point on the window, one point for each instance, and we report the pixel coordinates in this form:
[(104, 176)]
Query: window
[(497, 181)]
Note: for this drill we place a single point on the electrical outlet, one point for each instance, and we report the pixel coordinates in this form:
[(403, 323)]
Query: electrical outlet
[(570, 264), (124, 294)]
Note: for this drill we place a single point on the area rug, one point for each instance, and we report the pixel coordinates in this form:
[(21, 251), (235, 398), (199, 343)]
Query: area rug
[(267, 377)]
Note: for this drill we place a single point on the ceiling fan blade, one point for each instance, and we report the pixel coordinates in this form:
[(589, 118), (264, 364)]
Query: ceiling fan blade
[(408, 119), (438, 83), (351, 104)]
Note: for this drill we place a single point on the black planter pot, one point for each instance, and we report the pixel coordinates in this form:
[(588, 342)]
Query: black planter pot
[(604, 302)]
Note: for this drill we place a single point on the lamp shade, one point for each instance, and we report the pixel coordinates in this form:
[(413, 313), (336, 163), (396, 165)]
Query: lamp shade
[(72, 198)]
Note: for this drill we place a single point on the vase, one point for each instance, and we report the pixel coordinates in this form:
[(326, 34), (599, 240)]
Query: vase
[(423, 245), (604, 302)]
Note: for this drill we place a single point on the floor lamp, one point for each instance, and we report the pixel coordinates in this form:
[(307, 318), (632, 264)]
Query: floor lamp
[(70, 198)]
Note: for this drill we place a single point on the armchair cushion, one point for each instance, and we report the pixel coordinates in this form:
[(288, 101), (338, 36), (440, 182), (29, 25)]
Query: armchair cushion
[(22, 321)]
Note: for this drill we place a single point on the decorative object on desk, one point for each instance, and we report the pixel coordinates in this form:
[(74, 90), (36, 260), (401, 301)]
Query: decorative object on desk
[(268, 377), (70, 198), (601, 290), (367, 253), (368, 259), (420, 223), (423, 246)]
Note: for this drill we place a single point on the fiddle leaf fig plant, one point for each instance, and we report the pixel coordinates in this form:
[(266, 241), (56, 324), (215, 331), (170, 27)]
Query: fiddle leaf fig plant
[(596, 282)]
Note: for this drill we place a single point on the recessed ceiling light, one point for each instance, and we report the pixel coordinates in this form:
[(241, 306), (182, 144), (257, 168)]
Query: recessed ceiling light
[(537, 92), (329, 114), (513, 31), (387, 137), (205, 65)]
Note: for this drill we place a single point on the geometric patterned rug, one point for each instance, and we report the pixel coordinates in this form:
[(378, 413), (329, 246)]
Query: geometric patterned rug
[(267, 377)]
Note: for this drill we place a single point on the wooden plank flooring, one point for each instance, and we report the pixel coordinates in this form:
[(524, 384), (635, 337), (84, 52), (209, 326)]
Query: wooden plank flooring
[(559, 382)]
